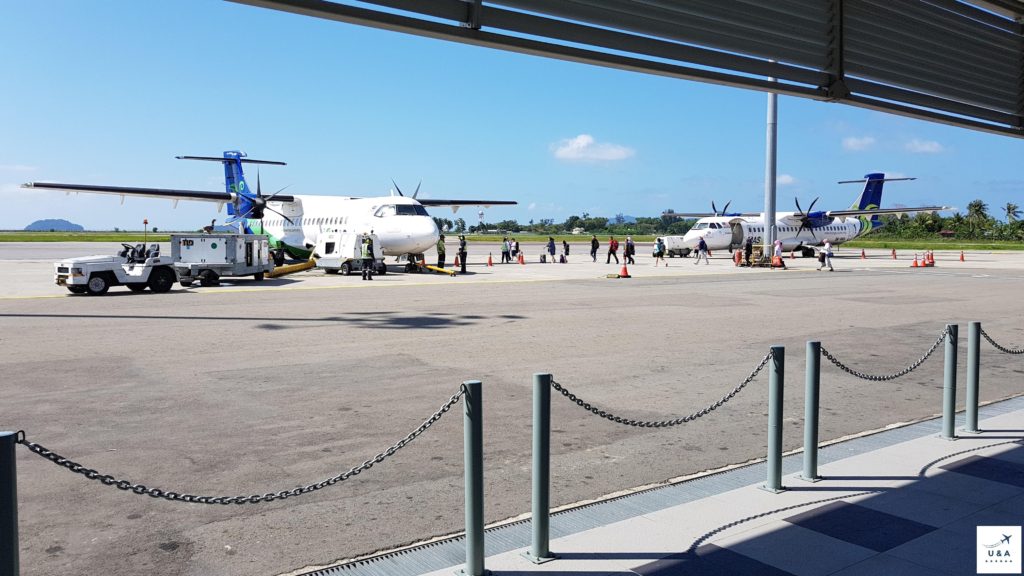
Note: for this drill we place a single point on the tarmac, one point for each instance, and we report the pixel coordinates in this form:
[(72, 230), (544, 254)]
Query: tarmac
[(259, 386), (904, 501)]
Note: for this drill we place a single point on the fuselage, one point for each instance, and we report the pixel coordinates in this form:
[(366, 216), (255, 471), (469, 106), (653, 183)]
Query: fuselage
[(725, 232), (401, 223)]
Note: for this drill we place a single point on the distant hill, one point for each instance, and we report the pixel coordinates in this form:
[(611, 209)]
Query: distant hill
[(54, 226)]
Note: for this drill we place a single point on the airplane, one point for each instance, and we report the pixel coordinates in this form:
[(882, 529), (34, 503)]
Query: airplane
[(293, 222), (800, 230)]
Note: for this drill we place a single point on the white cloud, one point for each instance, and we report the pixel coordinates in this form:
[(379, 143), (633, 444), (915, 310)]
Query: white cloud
[(857, 144), (532, 206), (784, 180), (584, 148), (918, 146)]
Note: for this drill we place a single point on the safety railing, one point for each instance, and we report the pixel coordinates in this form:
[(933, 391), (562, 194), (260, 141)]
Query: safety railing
[(470, 393)]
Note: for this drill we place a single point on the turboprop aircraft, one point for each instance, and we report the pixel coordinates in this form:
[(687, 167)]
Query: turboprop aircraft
[(801, 229), (293, 222)]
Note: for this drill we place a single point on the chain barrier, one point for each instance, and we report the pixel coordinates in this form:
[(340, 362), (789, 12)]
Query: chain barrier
[(254, 498), (875, 378), (1001, 348), (662, 423)]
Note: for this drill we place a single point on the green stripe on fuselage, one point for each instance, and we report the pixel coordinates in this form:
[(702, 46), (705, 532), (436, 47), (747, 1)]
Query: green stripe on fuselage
[(295, 252)]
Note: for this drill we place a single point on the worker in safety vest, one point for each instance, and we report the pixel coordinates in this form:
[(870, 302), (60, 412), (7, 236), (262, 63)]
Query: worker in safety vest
[(367, 254), (440, 252), (462, 252)]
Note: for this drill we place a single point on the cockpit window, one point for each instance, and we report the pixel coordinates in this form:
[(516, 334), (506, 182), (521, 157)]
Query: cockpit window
[(400, 210), (700, 226)]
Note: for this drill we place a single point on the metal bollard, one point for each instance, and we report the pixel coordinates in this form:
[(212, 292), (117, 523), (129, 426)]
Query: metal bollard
[(973, 370), (775, 387), (473, 427), (8, 505), (539, 549), (949, 385), (811, 403)]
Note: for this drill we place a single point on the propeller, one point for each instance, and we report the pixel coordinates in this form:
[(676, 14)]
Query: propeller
[(258, 203), (724, 210), (415, 192), (805, 217)]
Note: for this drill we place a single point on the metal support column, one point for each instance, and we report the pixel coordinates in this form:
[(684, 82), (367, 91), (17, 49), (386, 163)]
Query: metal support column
[(811, 402), (8, 505), (949, 385), (473, 427), (775, 387), (973, 370), (539, 549)]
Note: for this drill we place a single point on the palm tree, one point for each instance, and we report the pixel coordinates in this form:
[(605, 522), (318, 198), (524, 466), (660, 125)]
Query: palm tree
[(1012, 212), (977, 215)]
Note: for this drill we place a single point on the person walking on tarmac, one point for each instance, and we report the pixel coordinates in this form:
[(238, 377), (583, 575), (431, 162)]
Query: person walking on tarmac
[(594, 245), (629, 251), (748, 249), (826, 259), (367, 254), (551, 248), (440, 252), (506, 251), (702, 251), (462, 252), (613, 250)]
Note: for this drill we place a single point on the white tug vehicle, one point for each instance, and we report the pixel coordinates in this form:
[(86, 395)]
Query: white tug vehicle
[(134, 267)]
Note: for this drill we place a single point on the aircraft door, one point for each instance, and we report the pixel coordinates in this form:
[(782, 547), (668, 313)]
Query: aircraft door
[(737, 235)]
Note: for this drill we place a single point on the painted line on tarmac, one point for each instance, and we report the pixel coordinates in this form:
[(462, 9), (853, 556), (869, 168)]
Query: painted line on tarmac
[(228, 288)]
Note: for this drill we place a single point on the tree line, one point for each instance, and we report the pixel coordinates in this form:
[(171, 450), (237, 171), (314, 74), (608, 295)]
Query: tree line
[(975, 224)]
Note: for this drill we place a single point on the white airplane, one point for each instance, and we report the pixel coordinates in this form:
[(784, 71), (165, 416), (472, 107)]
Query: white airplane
[(797, 230), (401, 222)]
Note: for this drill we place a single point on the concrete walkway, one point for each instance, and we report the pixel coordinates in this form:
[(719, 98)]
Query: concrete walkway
[(903, 501)]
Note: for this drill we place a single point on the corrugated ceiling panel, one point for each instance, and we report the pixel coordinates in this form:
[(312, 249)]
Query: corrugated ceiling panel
[(942, 60), (793, 31), (920, 47)]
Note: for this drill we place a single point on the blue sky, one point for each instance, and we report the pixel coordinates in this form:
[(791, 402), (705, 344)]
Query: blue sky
[(109, 92)]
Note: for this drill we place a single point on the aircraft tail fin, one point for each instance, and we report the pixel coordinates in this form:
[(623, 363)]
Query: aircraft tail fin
[(234, 181), (871, 196)]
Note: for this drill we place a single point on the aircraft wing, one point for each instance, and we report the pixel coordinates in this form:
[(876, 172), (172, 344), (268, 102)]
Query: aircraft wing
[(709, 214), (171, 194), (484, 203), (456, 204), (844, 214)]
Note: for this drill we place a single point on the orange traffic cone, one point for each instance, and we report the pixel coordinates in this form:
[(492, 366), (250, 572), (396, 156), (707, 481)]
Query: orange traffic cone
[(737, 257), (863, 256), (893, 253), (914, 265), (624, 273), (457, 261), (522, 260), (490, 261), (931, 258), (961, 255)]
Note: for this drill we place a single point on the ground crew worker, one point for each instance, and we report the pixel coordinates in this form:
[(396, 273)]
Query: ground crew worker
[(367, 254), (440, 252), (462, 252)]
